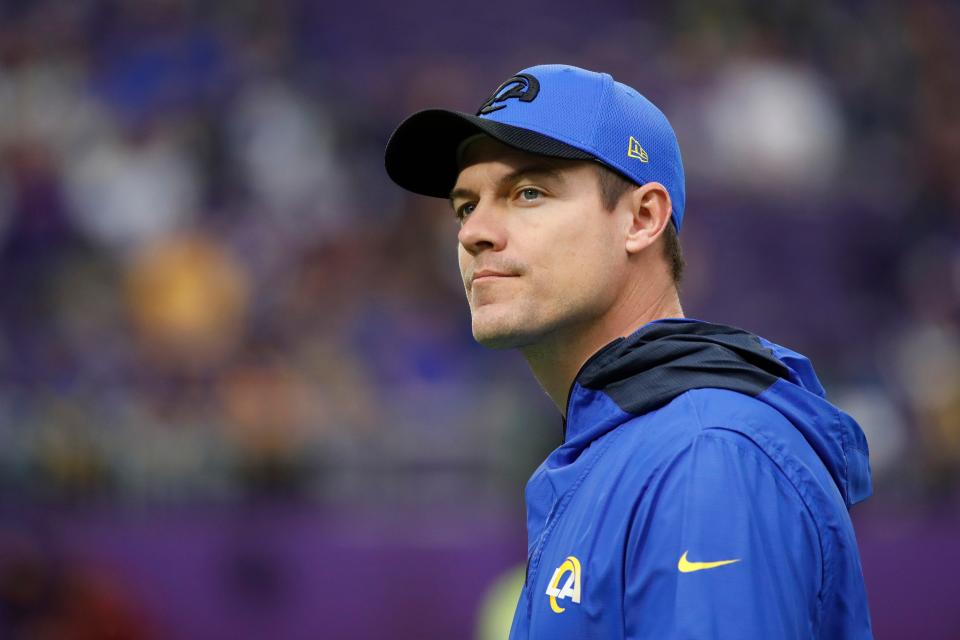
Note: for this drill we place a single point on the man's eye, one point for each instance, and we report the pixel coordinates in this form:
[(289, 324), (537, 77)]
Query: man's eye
[(464, 210), (529, 194)]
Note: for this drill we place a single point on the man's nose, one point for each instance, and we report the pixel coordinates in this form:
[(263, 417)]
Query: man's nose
[(483, 230)]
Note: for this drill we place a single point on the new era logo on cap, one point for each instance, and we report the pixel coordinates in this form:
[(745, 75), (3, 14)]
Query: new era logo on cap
[(634, 150), (553, 110)]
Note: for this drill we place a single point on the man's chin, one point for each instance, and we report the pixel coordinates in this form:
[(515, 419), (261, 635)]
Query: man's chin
[(501, 337)]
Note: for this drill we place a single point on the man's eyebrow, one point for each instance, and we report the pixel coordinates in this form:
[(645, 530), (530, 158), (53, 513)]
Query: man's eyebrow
[(536, 170)]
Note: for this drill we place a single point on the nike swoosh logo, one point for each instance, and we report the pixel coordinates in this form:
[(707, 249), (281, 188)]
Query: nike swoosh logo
[(685, 566)]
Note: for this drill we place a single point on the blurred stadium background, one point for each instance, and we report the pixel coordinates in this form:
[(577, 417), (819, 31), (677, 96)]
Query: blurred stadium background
[(238, 393)]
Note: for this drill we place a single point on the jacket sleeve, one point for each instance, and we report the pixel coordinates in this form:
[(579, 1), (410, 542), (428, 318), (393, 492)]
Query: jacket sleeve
[(722, 546)]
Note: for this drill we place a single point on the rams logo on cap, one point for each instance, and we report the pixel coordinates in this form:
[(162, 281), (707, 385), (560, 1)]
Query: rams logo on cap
[(522, 86)]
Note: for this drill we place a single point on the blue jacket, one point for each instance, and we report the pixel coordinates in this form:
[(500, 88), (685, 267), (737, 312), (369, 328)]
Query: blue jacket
[(701, 491)]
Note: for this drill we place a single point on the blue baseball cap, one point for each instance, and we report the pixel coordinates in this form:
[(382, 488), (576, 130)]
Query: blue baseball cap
[(552, 110)]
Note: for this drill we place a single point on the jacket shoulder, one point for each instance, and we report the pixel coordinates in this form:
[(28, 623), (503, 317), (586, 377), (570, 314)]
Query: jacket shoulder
[(744, 421)]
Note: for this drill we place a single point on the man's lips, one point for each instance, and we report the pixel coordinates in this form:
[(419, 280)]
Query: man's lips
[(487, 274)]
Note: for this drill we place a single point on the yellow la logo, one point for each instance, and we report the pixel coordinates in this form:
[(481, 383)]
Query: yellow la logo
[(634, 150), (571, 588)]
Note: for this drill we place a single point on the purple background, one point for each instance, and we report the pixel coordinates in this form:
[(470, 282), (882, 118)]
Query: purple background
[(238, 392)]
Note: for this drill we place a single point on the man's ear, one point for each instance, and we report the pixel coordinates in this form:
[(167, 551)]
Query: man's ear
[(651, 209)]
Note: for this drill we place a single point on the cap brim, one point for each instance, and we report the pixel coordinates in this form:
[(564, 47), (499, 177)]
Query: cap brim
[(421, 155)]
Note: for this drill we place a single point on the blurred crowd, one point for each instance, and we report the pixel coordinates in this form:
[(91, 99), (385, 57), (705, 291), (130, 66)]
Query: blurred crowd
[(211, 291)]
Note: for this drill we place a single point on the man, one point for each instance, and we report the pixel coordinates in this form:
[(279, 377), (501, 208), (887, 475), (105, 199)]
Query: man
[(702, 487)]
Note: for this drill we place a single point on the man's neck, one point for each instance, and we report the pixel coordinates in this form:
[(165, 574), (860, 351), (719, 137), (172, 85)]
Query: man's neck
[(556, 360)]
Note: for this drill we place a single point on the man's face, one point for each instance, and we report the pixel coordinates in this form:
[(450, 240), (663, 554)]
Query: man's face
[(539, 255)]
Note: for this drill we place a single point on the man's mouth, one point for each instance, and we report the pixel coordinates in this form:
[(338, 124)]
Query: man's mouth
[(485, 274)]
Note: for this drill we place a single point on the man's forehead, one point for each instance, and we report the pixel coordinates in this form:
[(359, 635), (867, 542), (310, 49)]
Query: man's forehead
[(484, 149), (481, 147)]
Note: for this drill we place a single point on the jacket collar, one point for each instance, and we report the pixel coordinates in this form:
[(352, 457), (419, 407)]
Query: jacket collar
[(660, 361)]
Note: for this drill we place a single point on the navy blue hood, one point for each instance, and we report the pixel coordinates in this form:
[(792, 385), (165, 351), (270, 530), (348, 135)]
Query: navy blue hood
[(666, 358)]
